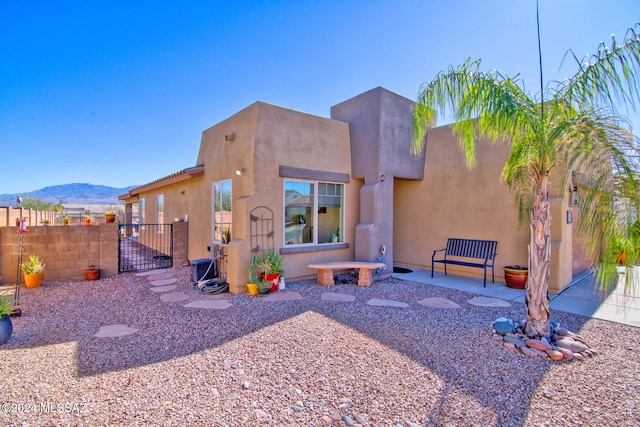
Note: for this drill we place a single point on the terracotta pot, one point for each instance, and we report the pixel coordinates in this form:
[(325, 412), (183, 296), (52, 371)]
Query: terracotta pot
[(110, 217), (92, 274), (87, 222), (516, 278), (33, 280)]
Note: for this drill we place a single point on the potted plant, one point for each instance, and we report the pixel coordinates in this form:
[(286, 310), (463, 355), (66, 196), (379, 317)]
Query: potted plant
[(516, 276), (6, 327), (33, 271), (88, 219), (66, 220), (264, 287), (269, 264), (92, 273), (252, 276), (110, 213)]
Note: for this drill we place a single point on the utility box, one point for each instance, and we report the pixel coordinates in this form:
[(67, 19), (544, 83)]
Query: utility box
[(202, 269)]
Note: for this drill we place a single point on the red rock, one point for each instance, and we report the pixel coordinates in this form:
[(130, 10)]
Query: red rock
[(539, 353), (555, 354), (538, 345), (567, 354), (530, 352), (574, 346), (508, 344)]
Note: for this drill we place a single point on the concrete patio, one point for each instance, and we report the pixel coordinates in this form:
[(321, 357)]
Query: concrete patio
[(583, 296)]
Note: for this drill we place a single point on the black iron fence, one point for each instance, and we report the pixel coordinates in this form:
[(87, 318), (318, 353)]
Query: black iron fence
[(145, 247)]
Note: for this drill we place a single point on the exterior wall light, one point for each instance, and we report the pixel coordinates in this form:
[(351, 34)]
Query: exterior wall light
[(230, 137), (240, 171)]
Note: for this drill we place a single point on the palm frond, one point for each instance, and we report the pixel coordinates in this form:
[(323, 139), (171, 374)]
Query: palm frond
[(607, 77)]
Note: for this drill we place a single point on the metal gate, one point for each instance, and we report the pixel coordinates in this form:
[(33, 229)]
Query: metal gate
[(145, 247)]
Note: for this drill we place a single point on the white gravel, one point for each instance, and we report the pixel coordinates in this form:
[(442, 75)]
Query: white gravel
[(310, 362)]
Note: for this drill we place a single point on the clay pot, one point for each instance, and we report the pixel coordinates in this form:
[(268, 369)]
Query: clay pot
[(516, 278)]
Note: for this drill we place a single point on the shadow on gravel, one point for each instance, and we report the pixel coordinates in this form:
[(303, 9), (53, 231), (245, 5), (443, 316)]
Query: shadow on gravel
[(454, 344)]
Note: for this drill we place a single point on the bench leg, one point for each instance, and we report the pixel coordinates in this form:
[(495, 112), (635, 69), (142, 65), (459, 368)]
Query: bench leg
[(325, 276), (365, 277)]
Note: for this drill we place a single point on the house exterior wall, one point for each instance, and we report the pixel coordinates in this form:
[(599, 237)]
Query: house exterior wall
[(266, 137), (454, 201)]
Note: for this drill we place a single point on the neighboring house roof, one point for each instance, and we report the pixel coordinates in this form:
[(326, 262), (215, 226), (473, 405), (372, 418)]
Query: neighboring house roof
[(183, 175)]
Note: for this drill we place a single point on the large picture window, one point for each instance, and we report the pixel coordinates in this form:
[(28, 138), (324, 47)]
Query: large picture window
[(313, 212), (222, 212)]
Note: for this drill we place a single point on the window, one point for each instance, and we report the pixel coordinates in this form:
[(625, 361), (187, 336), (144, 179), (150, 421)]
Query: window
[(160, 212), (313, 212), (142, 207), (221, 195)]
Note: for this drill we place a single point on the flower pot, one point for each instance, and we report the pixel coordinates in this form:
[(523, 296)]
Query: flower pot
[(274, 278), (87, 222), (6, 329), (263, 291), (252, 288), (33, 280), (516, 278), (92, 274), (110, 217)]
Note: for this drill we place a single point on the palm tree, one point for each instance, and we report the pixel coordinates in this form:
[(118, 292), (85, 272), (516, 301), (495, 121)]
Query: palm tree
[(573, 125)]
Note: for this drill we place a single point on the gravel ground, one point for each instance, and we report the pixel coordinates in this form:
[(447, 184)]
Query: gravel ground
[(310, 362)]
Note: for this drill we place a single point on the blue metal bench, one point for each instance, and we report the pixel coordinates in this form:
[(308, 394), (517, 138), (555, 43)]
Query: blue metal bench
[(484, 250)]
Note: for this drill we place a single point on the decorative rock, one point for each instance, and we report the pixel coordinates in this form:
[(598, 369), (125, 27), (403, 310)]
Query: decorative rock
[(530, 352), (260, 413), (326, 419), (563, 332), (515, 341), (574, 346), (360, 419), (508, 344), (539, 353), (566, 354), (296, 408), (578, 356), (538, 344), (497, 337), (555, 354), (503, 328), (347, 420)]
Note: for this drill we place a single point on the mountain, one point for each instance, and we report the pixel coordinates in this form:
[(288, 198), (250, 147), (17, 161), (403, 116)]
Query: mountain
[(76, 193)]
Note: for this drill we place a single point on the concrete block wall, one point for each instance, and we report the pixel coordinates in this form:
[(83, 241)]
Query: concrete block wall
[(67, 251)]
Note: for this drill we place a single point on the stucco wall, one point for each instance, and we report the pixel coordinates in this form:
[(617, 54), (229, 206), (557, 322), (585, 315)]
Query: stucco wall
[(266, 137), (454, 201)]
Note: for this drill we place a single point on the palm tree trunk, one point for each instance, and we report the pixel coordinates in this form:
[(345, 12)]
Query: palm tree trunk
[(537, 292)]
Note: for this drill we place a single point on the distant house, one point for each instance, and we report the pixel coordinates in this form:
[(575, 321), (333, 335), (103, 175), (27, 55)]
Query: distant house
[(330, 189)]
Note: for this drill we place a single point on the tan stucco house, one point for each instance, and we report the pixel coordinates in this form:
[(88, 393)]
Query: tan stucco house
[(338, 189)]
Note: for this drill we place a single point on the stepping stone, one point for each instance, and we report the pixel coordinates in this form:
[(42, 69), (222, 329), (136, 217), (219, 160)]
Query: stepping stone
[(283, 296), (163, 288), (488, 302), (219, 304), (149, 273), (164, 282), (387, 303), (333, 296), (437, 302), (174, 297), (112, 331), (161, 276)]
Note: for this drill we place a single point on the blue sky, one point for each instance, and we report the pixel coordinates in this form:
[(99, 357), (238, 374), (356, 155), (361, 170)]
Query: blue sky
[(118, 93)]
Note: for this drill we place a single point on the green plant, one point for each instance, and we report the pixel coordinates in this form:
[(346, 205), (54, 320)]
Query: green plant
[(33, 266), (264, 284), (6, 308), (275, 260), (569, 126), (268, 262), (252, 274)]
